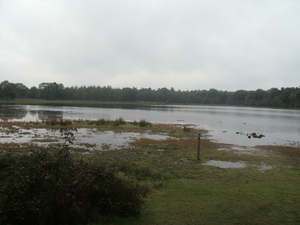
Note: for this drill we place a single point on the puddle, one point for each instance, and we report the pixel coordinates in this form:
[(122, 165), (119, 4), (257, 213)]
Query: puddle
[(263, 167), (246, 150), (225, 164), (111, 139), (33, 135)]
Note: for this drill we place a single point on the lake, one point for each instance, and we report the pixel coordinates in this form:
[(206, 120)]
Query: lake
[(226, 124)]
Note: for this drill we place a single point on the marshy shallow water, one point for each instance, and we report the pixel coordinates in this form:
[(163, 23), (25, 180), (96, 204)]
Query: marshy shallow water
[(280, 126), (85, 137)]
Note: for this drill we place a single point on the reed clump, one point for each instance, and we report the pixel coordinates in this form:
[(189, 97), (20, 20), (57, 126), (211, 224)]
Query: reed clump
[(186, 129), (102, 122), (119, 121), (55, 121)]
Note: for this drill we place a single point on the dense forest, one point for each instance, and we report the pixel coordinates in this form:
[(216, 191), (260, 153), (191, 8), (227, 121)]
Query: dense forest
[(274, 97)]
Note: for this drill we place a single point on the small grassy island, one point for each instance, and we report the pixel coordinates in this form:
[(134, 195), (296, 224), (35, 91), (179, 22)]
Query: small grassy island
[(145, 181)]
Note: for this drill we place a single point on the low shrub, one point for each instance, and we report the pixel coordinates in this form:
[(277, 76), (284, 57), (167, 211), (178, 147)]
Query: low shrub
[(48, 186), (65, 122), (144, 123), (186, 129), (119, 122), (102, 122), (52, 122), (55, 121)]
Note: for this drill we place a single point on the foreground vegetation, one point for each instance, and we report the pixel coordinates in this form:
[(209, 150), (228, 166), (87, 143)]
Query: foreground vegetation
[(274, 97), (49, 186), (183, 190)]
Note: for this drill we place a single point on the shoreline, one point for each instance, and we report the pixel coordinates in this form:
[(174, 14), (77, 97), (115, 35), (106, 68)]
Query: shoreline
[(99, 103)]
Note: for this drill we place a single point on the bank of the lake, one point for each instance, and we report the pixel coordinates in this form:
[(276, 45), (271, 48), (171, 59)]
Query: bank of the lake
[(186, 190), (27, 101)]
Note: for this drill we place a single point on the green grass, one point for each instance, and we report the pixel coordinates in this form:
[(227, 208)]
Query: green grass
[(198, 194), (225, 197)]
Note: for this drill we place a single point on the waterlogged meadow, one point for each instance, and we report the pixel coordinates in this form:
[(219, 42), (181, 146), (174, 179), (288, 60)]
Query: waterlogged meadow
[(229, 184)]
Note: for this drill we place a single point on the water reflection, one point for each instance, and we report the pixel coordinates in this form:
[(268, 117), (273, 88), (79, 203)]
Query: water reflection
[(279, 126), (49, 114), (7, 113)]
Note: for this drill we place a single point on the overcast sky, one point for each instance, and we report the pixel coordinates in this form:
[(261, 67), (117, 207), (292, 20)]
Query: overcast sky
[(188, 45)]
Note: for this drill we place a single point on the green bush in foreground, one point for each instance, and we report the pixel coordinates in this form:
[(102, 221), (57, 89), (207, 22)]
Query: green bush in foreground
[(50, 187)]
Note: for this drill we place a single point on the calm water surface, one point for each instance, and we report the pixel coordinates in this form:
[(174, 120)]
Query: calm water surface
[(279, 126)]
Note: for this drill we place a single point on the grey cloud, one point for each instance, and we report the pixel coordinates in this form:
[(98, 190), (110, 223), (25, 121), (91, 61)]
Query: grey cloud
[(226, 45)]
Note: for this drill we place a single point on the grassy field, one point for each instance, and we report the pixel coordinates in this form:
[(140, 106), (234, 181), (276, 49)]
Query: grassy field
[(184, 191), (193, 193)]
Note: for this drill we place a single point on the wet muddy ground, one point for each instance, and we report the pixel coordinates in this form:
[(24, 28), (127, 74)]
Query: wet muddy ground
[(23, 136)]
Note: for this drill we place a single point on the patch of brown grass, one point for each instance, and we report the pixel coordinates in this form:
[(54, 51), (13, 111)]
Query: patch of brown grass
[(88, 145), (44, 140), (291, 155)]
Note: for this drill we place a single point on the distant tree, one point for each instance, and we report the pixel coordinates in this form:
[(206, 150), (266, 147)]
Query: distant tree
[(259, 95), (162, 95), (272, 97), (285, 97), (249, 100), (21, 90), (69, 94), (213, 96), (146, 94), (33, 93), (51, 91), (43, 85), (128, 94), (239, 97), (82, 94), (297, 98), (3, 84), (9, 91)]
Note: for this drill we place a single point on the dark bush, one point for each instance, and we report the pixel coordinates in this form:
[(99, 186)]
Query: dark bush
[(65, 122), (102, 122), (50, 187), (186, 129), (55, 121), (52, 122), (119, 122), (144, 123)]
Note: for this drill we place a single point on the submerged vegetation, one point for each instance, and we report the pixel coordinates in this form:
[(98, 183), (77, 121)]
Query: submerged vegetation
[(160, 180)]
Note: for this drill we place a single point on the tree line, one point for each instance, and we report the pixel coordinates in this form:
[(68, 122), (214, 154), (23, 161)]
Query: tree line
[(285, 97)]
